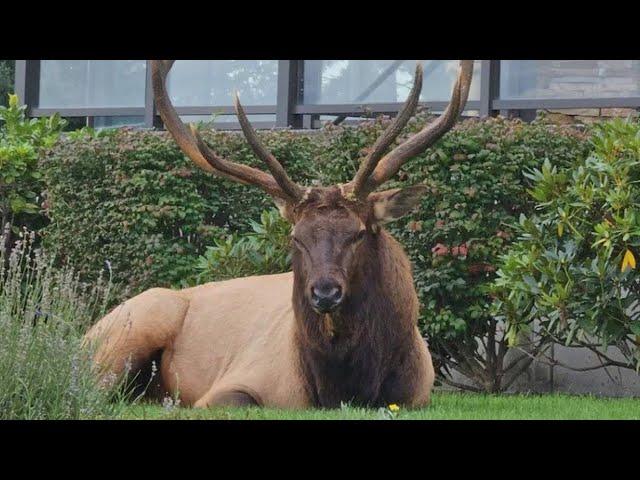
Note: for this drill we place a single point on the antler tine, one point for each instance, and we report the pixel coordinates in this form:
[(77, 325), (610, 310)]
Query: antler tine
[(276, 169), (159, 71), (167, 64), (380, 147), (194, 146), (393, 161)]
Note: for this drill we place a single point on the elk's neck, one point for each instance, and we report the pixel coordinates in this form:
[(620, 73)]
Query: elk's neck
[(347, 354)]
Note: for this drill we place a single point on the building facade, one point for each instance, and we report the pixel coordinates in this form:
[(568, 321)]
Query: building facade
[(305, 93)]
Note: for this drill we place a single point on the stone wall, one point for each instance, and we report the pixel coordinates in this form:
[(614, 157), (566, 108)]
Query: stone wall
[(587, 115), (570, 78), (588, 78)]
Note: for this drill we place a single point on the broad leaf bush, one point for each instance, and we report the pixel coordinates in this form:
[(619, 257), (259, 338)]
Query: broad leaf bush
[(573, 269), (263, 250), (21, 142)]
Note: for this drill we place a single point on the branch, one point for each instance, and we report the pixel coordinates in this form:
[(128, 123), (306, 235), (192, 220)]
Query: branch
[(466, 367), (545, 359), (594, 348), (533, 354), (611, 362), (516, 375), (491, 341)]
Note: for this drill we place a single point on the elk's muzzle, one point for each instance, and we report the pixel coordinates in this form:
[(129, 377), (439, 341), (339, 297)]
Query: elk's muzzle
[(326, 296)]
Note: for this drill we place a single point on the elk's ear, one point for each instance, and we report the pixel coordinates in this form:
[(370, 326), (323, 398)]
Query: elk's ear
[(392, 204), (285, 208)]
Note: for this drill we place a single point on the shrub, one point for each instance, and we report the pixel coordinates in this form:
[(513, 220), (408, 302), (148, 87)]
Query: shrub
[(44, 371), (573, 269), (264, 250), (21, 140)]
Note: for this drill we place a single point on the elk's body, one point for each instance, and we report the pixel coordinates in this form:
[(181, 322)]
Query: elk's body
[(240, 340), (342, 327)]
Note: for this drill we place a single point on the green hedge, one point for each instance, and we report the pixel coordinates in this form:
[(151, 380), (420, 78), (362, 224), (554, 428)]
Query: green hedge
[(132, 198), (131, 201)]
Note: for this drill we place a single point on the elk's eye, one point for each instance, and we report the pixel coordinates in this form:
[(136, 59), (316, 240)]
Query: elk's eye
[(360, 235), (297, 242)]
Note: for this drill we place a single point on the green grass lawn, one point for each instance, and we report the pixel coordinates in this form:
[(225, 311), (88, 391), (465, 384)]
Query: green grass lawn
[(445, 406)]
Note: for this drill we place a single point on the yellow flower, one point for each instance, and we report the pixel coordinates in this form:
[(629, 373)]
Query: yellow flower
[(629, 261), (393, 407)]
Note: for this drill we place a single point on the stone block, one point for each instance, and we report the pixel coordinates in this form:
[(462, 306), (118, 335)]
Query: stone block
[(583, 112), (560, 118), (587, 120), (618, 112)]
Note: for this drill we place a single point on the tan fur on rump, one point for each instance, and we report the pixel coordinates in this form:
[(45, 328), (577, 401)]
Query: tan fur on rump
[(210, 340)]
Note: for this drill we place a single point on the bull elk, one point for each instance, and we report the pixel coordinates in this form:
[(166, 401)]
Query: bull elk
[(341, 327)]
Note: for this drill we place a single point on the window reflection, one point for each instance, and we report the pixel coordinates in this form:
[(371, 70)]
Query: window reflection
[(379, 81), (92, 83), (213, 82)]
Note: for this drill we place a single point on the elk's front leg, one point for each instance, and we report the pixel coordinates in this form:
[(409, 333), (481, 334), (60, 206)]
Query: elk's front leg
[(410, 384), (229, 397)]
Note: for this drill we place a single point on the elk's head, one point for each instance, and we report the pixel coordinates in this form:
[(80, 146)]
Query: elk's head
[(332, 234), (331, 225)]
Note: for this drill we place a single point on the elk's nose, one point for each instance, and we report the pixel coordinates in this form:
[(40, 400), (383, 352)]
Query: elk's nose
[(326, 296)]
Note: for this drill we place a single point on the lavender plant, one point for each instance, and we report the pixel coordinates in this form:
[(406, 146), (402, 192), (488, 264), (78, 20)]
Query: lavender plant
[(45, 371)]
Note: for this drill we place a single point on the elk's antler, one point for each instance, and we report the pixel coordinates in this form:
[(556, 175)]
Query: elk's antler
[(278, 184), (380, 147), (376, 169)]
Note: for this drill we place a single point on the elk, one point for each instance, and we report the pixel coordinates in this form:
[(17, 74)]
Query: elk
[(341, 327)]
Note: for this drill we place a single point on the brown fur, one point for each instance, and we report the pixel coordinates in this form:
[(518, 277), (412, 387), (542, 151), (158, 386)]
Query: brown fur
[(370, 346), (259, 339)]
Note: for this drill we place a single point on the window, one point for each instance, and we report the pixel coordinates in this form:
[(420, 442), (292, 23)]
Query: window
[(113, 122), (213, 82), (92, 83), (333, 88), (379, 81), (533, 79)]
